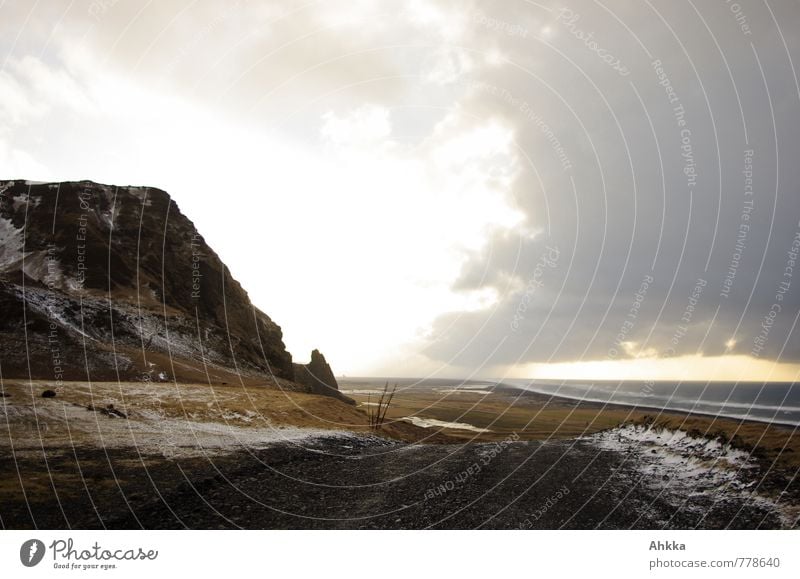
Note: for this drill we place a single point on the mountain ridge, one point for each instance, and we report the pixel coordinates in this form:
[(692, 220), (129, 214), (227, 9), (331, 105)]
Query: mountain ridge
[(110, 282)]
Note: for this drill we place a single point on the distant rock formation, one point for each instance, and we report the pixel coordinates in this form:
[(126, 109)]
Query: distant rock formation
[(104, 283), (318, 377)]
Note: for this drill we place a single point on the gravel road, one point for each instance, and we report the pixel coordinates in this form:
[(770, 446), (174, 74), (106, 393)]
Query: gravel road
[(368, 482)]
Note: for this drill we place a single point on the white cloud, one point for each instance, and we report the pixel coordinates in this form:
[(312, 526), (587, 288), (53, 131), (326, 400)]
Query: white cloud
[(446, 65), (365, 126), (30, 89), (19, 164), (15, 105)]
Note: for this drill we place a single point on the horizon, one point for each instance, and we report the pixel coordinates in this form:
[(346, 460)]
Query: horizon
[(499, 382)]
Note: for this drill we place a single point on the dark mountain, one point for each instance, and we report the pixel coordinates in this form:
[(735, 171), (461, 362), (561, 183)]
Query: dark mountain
[(111, 283)]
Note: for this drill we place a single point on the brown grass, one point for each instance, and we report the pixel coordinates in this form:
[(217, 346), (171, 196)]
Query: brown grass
[(33, 421), (535, 417)]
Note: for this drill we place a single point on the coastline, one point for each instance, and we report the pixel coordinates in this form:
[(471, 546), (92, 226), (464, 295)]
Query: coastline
[(694, 410)]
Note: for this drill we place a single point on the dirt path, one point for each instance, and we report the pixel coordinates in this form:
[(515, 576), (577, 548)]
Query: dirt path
[(365, 482)]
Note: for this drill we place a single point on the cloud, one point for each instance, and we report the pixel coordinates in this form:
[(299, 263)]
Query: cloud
[(434, 151), (362, 127), (626, 208)]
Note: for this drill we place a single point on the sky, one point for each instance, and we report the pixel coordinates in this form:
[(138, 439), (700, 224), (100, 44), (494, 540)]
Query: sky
[(451, 188)]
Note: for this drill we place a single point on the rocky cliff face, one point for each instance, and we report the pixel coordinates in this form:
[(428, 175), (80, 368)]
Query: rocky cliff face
[(115, 283), (318, 377)]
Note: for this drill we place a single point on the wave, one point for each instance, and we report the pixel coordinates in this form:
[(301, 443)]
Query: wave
[(769, 413)]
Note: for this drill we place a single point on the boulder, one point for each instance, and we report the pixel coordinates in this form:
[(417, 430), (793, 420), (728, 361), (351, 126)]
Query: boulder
[(318, 377)]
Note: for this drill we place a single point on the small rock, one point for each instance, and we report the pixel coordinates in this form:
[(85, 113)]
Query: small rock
[(110, 411), (49, 394)]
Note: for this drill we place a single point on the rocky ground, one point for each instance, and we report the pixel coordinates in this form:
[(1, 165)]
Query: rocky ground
[(150, 456), (616, 480)]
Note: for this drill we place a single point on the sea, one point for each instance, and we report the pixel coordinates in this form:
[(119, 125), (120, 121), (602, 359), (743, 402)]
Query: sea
[(772, 402)]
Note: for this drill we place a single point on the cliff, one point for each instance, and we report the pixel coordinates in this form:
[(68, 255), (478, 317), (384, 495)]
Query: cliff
[(318, 377), (115, 283)]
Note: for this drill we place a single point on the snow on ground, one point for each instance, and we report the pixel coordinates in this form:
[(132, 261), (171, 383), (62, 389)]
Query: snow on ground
[(43, 267), (55, 306), (141, 193), (176, 334), (462, 391), (23, 200), (671, 443), (150, 431), (690, 472), (10, 244), (433, 423)]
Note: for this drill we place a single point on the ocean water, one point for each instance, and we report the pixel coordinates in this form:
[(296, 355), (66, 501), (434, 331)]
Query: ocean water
[(774, 402)]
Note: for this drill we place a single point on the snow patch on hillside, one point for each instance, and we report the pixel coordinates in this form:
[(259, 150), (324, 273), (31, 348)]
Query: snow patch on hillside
[(55, 307), (675, 445), (23, 200), (11, 244), (433, 423), (46, 269), (690, 472)]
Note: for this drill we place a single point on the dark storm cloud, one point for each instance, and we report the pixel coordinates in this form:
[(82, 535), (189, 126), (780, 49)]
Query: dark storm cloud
[(655, 187)]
